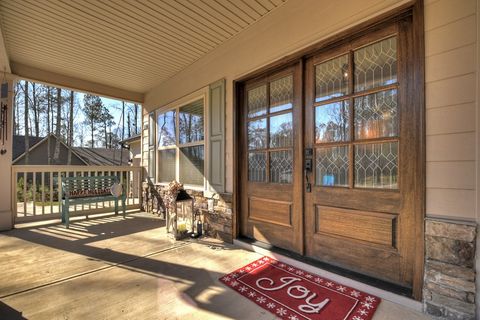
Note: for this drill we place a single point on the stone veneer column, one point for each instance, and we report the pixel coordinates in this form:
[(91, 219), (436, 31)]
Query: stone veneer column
[(217, 223), (449, 284)]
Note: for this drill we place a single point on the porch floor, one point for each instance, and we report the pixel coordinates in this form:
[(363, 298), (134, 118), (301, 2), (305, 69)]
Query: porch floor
[(110, 268)]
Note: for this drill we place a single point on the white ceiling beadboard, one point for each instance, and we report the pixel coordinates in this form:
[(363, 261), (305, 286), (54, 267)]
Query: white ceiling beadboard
[(125, 44)]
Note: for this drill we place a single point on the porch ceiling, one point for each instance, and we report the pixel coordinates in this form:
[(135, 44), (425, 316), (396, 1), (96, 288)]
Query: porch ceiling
[(128, 45)]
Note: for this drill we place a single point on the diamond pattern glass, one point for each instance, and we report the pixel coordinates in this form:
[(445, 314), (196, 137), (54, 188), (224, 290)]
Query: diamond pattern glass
[(281, 94), (166, 160), (332, 166), (281, 166), (332, 122), (257, 166), (331, 78), (376, 165), (191, 165), (376, 115), (281, 131), (376, 64), (166, 129), (191, 122), (257, 134), (257, 101)]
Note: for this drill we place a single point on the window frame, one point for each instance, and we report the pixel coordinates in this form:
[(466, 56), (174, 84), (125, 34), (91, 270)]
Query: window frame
[(176, 106), (351, 96)]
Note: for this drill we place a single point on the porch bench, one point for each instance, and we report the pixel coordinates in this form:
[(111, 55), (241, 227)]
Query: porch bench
[(87, 190)]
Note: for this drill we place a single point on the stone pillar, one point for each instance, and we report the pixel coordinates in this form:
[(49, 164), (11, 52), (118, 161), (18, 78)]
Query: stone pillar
[(449, 287), (6, 218)]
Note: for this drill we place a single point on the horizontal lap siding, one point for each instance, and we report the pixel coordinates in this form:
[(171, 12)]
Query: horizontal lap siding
[(450, 74)]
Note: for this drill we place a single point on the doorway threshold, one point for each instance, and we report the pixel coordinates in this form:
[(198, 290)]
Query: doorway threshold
[(385, 290)]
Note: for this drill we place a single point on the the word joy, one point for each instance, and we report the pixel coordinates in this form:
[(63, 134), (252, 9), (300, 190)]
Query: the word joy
[(296, 292)]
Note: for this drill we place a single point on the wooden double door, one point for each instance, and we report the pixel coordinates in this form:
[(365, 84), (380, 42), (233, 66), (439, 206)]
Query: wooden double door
[(329, 156)]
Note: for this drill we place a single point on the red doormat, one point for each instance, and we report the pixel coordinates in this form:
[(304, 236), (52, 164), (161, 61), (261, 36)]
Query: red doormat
[(294, 294)]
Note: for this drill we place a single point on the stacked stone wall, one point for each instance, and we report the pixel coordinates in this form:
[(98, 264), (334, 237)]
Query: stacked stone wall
[(449, 283)]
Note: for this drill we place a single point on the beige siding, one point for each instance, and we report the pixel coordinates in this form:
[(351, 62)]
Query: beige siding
[(450, 63)]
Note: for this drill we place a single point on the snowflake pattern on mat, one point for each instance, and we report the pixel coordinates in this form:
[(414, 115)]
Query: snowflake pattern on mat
[(281, 311), (364, 310)]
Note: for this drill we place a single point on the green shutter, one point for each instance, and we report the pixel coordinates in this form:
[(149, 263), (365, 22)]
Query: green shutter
[(216, 137)]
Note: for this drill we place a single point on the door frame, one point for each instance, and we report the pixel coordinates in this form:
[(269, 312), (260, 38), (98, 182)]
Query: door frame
[(415, 9)]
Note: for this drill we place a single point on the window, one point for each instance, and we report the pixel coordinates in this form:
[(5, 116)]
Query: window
[(356, 118), (270, 131), (181, 147)]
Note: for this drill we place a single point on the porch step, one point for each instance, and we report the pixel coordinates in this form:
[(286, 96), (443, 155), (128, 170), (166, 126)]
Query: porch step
[(384, 294)]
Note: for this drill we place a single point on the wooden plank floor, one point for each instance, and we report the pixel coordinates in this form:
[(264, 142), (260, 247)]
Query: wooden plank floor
[(110, 268)]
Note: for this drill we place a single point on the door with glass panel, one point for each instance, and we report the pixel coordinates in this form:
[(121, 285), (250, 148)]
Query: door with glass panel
[(271, 178), (359, 214)]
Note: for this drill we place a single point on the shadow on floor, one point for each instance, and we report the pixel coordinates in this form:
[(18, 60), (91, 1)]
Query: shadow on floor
[(9, 313), (111, 227)]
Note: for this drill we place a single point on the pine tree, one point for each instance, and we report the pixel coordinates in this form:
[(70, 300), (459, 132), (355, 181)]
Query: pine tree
[(92, 108)]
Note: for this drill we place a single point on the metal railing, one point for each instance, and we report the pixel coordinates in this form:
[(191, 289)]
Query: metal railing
[(37, 190)]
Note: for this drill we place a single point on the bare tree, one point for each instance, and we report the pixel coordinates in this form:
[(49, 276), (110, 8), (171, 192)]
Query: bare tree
[(70, 128), (56, 154), (27, 140)]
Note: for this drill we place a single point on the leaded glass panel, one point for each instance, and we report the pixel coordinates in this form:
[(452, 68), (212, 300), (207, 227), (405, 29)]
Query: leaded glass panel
[(332, 166), (191, 165), (376, 165), (281, 131), (166, 164), (166, 129), (376, 115), (332, 122), (257, 101), (257, 134), (376, 64), (191, 122), (257, 166), (281, 94), (331, 78), (281, 166)]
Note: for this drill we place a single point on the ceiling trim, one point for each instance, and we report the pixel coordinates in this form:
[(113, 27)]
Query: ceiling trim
[(55, 79)]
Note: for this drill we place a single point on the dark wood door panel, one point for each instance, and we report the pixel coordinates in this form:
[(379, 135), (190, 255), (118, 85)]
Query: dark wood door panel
[(375, 229), (342, 252)]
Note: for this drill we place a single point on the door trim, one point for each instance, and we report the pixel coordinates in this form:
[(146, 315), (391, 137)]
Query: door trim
[(415, 9)]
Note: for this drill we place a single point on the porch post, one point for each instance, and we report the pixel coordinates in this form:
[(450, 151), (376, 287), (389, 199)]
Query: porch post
[(6, 218)]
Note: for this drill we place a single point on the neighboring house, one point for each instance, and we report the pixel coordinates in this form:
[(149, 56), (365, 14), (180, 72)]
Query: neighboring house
[(39, 150), (103, 157), (135, 149), (133, 145)]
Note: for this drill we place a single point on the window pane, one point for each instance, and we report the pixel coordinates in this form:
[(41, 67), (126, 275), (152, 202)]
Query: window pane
[(257, 166), (332, 166), (257, 134), (166, 129), (331, 78), (376, 165), (281, 131), (191, 165), (151, 129), (166, 165), (376, 64), (281, 94), (376, 115), (331, 122), (257, 101), (281, 166), (191, 122)]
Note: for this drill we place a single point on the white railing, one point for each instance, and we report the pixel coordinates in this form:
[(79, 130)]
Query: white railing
[(36, 189)]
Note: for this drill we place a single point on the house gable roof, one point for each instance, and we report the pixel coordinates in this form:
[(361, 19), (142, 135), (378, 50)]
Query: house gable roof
[(103, 157)]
